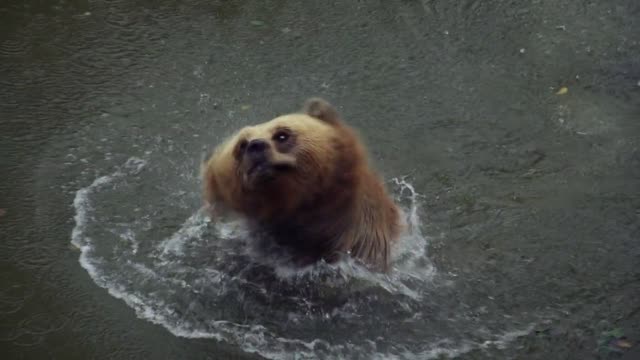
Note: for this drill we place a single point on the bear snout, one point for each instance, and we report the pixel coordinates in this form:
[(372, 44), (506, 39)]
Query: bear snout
[(257, 148), (256, 154)]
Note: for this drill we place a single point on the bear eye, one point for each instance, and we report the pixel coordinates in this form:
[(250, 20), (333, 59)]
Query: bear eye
[(281, 136)]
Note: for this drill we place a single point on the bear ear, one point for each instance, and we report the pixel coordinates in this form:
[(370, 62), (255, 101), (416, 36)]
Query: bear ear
[(321, 109)]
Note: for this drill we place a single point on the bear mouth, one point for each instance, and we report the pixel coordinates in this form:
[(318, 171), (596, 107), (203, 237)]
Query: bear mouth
[(258, 168), (264, 169)]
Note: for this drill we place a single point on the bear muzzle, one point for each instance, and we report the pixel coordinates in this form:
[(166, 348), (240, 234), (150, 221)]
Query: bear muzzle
[(261, 163), (257, 148), (257, 164)]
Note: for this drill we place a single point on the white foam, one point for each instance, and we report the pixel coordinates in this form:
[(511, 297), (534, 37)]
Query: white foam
[(81, 202), (411, 250), (193, 227), (82, 207), (130, 237), (503, 340)]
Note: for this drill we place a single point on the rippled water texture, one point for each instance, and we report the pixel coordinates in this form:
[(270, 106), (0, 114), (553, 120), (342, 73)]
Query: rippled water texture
[(508, 132)]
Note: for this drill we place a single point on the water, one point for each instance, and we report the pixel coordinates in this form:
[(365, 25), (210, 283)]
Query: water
[(206, 280), (523, 203)]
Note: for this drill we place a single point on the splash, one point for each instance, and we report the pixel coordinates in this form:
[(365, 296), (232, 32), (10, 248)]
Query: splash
[(200, 279)]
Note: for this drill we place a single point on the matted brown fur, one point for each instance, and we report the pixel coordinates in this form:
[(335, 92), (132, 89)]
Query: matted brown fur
[(311, 186)]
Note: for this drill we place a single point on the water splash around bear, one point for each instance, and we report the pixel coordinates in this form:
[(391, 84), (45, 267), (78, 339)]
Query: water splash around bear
[(203, 279)]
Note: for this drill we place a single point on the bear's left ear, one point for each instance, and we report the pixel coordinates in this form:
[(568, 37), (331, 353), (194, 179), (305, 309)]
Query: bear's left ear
[(321, 109)]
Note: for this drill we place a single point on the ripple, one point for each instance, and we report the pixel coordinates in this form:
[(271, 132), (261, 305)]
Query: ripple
[(203, 279), (14, 48)]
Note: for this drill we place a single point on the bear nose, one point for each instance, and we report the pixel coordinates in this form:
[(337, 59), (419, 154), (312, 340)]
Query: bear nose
[(257, 146)]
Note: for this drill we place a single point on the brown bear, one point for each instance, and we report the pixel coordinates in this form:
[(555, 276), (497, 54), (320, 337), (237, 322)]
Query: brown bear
[(304, 179)]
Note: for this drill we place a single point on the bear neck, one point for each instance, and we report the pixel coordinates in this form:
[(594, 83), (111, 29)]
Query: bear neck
[(341, 219)]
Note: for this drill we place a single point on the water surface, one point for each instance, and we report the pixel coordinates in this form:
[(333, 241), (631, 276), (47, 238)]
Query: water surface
[(523, 200)]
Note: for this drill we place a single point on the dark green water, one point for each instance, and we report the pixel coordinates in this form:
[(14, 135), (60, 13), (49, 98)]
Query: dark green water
[(527, 226)]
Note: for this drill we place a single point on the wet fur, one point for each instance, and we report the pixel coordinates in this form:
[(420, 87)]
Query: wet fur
[(330, 204)]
